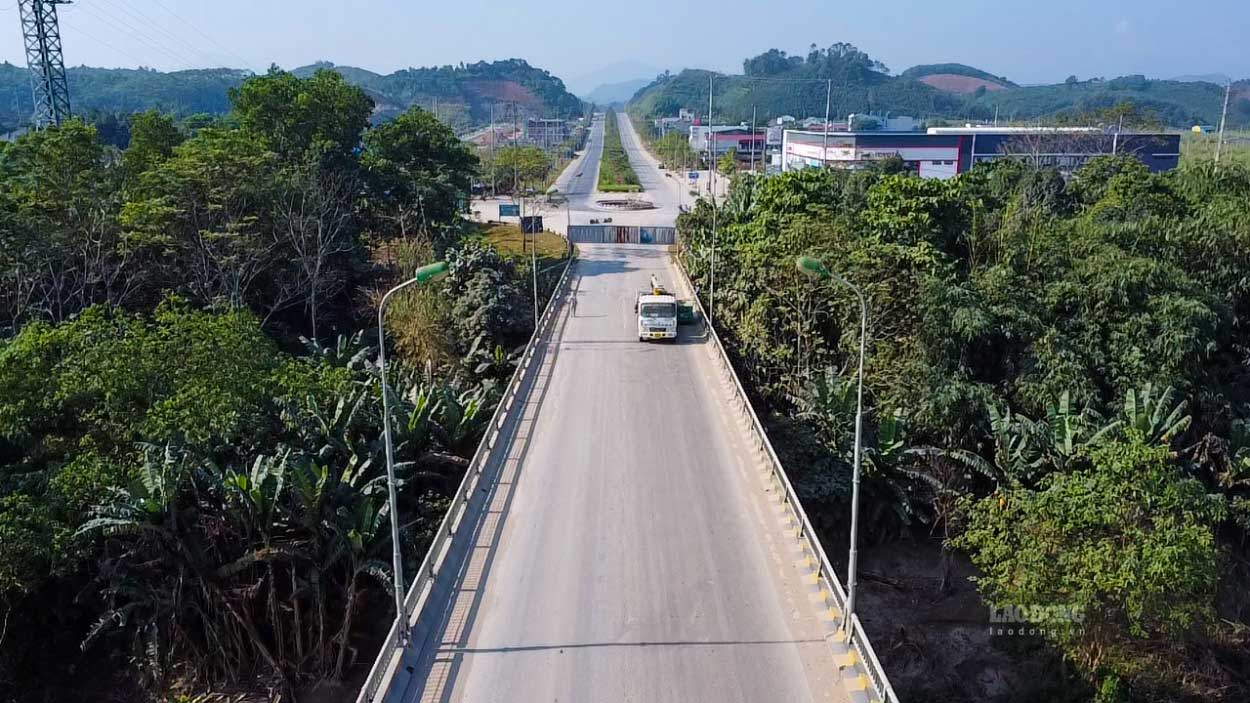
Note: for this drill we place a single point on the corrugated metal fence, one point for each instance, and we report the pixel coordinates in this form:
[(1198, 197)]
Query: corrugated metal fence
[(622, 234)]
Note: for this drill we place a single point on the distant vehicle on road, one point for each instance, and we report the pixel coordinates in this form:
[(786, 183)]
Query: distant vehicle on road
[(579, 174), (657, 313)]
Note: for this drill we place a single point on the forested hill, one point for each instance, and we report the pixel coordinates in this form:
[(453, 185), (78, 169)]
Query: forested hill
[(775, 83), (779, 84), (463, 92), (1173, 103), (954, 69), (124, 90)]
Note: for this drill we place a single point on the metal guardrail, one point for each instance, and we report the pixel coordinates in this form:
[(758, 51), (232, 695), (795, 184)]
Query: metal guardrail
[(857, 638), (382, 674)]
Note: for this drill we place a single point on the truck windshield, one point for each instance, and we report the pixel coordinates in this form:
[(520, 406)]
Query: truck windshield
[(659, 310)]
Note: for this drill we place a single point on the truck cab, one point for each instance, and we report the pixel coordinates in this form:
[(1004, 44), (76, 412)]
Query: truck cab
[(657, 313)]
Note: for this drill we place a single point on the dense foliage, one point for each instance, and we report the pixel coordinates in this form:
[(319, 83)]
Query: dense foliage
[(1056, 381), (192, 483)]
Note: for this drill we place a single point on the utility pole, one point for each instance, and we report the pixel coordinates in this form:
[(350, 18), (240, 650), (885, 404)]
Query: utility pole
[(711, 187), (711, 165), (493, 137), (1219, 146), (752, 139), (824, 152), (42, 34), (516, 177)]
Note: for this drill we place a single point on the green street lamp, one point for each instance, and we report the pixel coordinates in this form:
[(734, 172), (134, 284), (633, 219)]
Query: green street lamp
[(814, 268), (424, 274)]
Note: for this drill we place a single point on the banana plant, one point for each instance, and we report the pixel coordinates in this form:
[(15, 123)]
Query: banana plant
[(893, 479), (1026, 450), (1158, 418)]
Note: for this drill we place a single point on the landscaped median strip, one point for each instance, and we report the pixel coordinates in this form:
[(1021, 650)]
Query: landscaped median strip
[(615, 173)]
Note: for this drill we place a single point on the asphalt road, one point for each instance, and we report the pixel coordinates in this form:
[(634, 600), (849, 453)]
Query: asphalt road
[(631, 553), (579, 180), (628, 549), (580, 177)]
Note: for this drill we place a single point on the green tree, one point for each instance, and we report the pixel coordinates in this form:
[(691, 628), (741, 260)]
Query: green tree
[(61, 249), (322, 115), (153, 136), (210, 206), (520, 168), (418, 171), (728, 163), (1125, 546)]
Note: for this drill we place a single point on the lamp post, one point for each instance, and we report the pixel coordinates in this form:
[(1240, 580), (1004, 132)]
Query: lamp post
[(422, 275), (813, 268)]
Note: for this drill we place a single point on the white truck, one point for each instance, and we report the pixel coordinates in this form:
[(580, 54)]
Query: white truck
[(657, 313)]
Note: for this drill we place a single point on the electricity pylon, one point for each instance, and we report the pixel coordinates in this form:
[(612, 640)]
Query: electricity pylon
[(45, 60)]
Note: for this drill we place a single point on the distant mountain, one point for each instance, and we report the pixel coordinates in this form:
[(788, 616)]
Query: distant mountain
[(619, 72), (615, 92), (462, 94), (1216, 78), (359, 76), (933, 91)]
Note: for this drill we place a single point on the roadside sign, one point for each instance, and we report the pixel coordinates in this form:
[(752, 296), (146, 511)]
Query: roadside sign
[(509, 210), (531, 225), (693, 175)]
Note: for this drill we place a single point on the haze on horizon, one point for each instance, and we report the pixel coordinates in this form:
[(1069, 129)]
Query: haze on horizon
[(613, 42)]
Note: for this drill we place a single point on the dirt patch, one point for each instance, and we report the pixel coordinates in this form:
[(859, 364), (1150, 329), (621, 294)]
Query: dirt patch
[(937, 645), (954, 83), (504, 91)]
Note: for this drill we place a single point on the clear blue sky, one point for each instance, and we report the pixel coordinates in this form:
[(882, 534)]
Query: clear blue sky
[(1026, 41)]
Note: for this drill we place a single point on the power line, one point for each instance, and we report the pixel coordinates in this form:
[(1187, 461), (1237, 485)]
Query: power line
[(105, 44), (137, 35), (194, 27), (178, 41)]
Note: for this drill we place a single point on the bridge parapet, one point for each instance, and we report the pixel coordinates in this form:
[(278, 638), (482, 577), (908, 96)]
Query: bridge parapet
[(389, 671), (861, 670)]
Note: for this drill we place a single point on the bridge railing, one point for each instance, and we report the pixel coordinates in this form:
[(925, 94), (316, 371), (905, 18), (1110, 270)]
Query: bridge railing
[(382, 675), (856, 638)]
